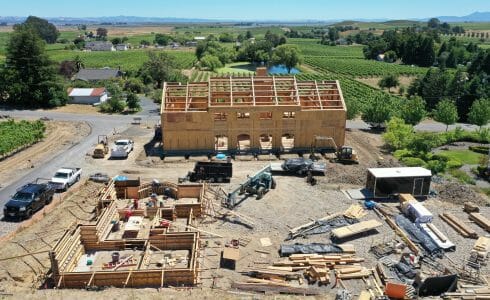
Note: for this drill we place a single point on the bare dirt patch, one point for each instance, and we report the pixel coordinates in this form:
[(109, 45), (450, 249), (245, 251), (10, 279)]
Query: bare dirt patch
[(78, 109), (405, 81), (59, 135)]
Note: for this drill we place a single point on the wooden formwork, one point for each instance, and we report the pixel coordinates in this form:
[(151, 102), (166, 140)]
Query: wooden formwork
[(85, 238), (199, 117)]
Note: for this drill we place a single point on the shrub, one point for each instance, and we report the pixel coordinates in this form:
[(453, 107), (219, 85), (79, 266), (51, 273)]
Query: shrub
[(157, 96), (436, 166), (399, 154), (480, 149), (454, 164), (413, 162), (398, 134)]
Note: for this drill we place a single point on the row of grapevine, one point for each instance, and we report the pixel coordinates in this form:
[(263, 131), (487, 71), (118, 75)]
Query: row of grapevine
[(353, 91), (15, 135), (361, 67), (313, 48)]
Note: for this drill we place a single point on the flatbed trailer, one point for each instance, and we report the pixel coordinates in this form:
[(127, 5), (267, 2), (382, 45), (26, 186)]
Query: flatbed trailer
[(298, 166)]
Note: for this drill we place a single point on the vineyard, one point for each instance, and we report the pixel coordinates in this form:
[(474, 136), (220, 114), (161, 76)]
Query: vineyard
[(200, 76), (127, 60), (310, 47), (362, 67), (352, 90), (16, 135)]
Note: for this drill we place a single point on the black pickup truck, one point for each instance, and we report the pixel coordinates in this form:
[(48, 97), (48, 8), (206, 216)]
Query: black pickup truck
[(27, 200)]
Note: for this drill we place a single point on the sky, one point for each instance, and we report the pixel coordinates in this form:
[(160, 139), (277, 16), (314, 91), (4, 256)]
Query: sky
[(246, 9)]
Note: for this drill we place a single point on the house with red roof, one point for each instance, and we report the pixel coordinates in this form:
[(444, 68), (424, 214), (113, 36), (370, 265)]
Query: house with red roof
[(93, 96)]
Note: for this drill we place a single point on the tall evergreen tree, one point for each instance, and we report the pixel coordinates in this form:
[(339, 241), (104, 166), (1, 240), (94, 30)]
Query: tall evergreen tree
[(30, 77)]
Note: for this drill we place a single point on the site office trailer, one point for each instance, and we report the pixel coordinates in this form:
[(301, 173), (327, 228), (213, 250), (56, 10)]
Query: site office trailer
[(384, 182)]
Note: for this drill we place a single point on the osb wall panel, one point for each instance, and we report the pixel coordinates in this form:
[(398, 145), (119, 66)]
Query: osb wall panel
[(197, 131)]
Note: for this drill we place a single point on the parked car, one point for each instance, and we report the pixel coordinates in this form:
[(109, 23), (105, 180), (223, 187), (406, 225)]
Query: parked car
[(99, 177), (65, 177), (27, 200), (122, 148)]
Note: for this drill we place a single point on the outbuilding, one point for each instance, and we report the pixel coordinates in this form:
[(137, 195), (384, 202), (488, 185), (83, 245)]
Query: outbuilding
[(87, 96), (384, 182)]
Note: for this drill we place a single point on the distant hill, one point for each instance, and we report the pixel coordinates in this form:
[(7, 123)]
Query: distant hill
[(474, 17)]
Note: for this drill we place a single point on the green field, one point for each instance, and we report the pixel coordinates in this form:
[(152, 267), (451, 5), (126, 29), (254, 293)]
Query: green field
[(465, 156), (128, 60), (242, 68)]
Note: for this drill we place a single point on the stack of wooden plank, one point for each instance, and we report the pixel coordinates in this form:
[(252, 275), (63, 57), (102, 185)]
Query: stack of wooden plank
[(357, 228), (304, 261), (470, 293), (481, 250), (355, 211), (481, 220), (316, 273), (458, 225), (352, 272), (275, 275)]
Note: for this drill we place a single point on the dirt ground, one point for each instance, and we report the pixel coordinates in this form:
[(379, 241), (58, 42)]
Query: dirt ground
[(78, 109), (59, 135), (405, 81), (291, 204)]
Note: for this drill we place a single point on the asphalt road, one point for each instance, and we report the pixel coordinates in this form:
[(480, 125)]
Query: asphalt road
[(106, 124), (75, 154)]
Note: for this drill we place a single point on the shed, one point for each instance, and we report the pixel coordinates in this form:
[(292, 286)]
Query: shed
[(384, 182), (87, 96)]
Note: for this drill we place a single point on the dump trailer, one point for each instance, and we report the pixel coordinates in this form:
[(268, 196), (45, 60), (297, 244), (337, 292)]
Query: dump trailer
[(210, 171), (299, 166), (258, 184)]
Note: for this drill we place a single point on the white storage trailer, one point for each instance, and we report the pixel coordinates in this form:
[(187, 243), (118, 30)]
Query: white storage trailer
[(384, 182)]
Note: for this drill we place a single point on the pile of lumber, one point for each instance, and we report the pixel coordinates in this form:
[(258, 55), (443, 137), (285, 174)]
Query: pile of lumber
[(458, 225), (470, 293), (317, 274), (352, 272), (304, 261), (481, 250), (274, 275), (481, 220), (354, 229), (355, 211)]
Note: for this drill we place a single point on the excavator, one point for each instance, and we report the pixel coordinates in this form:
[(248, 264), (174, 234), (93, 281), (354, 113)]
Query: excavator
[(344, 154)]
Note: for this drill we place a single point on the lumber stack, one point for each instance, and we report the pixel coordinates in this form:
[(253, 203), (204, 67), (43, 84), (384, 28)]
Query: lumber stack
[(479, 219), (320, 274), (304, 261), (470, 293), (458, 225), (352, 272), (355, 211)]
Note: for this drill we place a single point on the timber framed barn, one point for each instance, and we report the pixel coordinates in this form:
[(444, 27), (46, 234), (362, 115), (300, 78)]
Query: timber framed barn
[(251, 115)]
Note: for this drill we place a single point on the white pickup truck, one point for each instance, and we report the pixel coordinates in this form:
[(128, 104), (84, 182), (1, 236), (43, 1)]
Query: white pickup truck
[(65, 177), (122, 148)]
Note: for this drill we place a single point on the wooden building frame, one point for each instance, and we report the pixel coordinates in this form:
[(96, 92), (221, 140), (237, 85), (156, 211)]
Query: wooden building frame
[(218, 115), (93, 237)]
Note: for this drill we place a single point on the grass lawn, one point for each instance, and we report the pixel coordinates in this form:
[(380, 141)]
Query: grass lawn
[(465, 156), (238, 67)]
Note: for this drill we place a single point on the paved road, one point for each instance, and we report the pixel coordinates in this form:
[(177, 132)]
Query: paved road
[(74, 155)]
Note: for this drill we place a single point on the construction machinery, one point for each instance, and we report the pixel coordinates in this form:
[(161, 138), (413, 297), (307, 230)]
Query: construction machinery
[(344, 154), (299, 166), (258, 184), (102, 147)]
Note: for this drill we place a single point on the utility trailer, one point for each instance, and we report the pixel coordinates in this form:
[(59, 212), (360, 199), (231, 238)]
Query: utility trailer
[(387, 182), (299, 166), (210, 171)]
